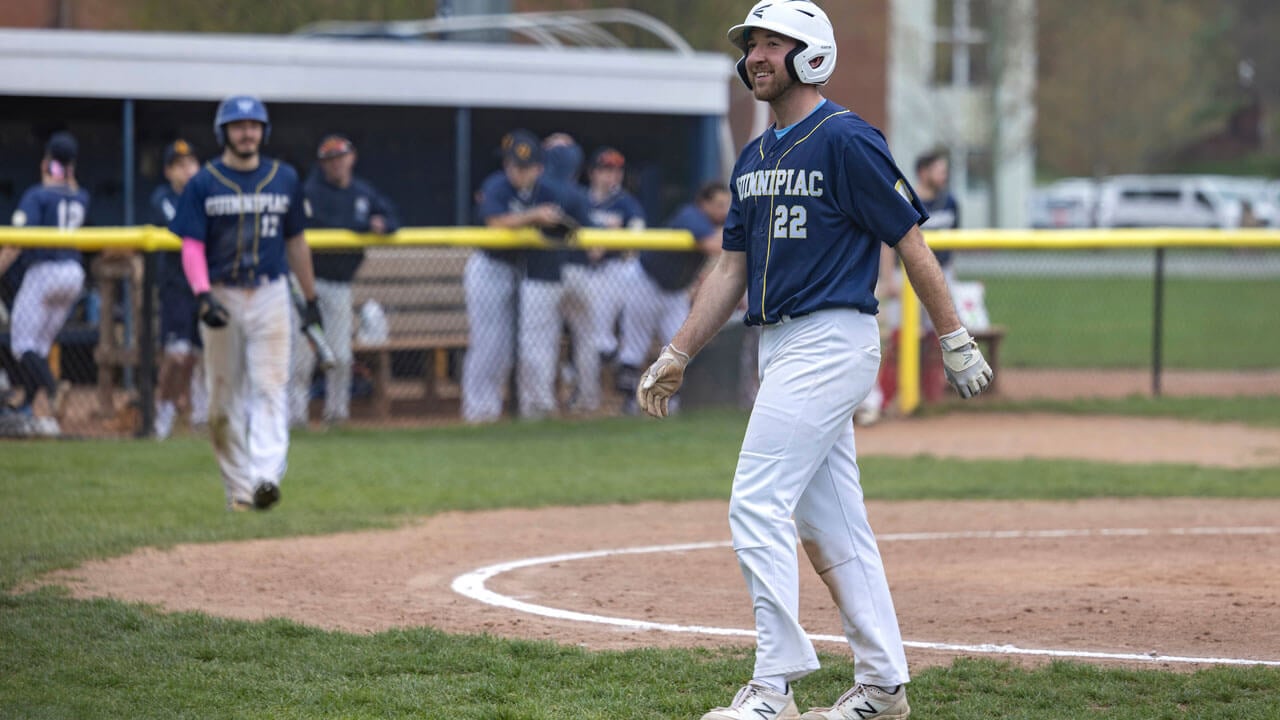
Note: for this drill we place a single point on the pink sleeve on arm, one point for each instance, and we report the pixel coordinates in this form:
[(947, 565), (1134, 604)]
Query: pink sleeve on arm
[(195, 265)]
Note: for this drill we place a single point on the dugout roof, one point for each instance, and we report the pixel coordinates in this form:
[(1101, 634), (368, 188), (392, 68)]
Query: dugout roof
[(169, 66)]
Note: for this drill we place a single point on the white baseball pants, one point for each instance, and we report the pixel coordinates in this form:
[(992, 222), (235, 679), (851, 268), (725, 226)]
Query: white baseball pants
[(49, 291), (540, 323), (490, 287), (607, 290), (581, 312), (798, 461), (247, 369), (337, 312), (649, 313)]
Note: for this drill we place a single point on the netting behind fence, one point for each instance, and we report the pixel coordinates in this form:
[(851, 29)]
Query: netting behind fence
[(448, 333)]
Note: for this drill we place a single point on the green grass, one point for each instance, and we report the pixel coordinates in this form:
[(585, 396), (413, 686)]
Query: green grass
[(65, 502), (66, 659), (1106, 322), (1260, 411), (74, 500)]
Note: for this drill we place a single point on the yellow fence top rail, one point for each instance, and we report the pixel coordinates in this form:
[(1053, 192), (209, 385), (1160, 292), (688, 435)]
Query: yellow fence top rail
[(146, 237), (1094, 239)]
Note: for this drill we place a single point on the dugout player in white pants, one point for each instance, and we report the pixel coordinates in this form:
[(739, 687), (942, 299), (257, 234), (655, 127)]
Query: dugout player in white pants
[(611, 206), (659, 283), (51, 282), (517, 197), (241, 219), (814, 200), (338, 199)]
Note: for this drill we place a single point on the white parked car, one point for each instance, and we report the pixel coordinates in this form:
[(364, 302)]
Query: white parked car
[(1259, 192), (1066, 203), (1165, 201)]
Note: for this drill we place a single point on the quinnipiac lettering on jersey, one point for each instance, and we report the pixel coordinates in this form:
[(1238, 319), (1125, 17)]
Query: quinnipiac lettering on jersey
[(811, 211), (790, 182), (257, 203)]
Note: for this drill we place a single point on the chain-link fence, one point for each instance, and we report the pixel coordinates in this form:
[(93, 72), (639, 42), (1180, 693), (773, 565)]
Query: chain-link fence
[(431, 333), (1093, 322)]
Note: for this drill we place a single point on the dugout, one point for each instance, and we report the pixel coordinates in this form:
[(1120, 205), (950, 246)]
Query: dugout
[(425, 116)]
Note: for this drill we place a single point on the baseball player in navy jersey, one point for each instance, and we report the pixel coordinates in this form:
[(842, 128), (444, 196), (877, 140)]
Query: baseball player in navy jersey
[(52, 279), (575, 300), (178, 381), (658, 285), (241, 220), (517, 196), (610, 206), (814, 199), (338, 199)]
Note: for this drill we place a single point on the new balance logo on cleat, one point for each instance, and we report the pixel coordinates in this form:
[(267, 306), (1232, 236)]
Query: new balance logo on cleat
[(767, 712), (866, 711), (757, 702)]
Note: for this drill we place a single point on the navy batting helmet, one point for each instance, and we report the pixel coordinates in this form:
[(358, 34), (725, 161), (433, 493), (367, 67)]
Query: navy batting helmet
[(240, 107)]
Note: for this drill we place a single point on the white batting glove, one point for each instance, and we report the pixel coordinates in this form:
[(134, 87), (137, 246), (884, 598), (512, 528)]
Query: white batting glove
[(967, 371), (661, 381)]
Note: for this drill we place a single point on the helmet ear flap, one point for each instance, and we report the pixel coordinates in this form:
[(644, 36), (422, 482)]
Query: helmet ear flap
[(791, 60), (742, 72)]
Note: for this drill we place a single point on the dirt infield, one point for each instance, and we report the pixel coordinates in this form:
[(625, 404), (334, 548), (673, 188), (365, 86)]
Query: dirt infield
[(1194, 577)]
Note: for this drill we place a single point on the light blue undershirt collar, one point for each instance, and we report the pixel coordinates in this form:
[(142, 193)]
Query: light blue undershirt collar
[(779, 132)]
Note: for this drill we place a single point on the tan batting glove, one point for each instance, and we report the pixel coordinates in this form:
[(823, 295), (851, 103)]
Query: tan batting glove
[(966, 369), (661, 381)]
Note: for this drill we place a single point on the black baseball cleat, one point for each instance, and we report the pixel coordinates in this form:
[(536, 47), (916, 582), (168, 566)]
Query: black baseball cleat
[(266, 495)]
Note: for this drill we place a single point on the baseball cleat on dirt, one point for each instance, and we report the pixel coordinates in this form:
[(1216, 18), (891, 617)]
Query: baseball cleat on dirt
[(865, 702), (266, 495), (757, 702)]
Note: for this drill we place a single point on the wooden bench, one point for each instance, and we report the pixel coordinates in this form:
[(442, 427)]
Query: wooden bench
[(420, 291), (989, 340)]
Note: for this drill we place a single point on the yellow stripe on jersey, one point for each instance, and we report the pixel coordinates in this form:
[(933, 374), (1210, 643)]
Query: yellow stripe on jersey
[(768, 252), (235, 267)]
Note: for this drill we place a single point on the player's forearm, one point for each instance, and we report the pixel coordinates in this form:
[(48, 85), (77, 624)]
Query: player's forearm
[(513, 220), (8, 255), (195, 265), (714, 303), (298, 253), (928, 281)]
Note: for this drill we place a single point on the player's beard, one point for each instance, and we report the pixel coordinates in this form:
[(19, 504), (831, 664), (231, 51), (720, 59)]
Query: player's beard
[(779, 85), (245, 150)]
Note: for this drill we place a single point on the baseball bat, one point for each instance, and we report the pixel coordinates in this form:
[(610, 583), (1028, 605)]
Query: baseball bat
[(314, 334)]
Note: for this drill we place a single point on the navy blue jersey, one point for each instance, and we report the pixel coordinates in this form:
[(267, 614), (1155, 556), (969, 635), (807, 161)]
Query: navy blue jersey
[(499, 197), (677, 270), (346, 208), (944, 214), (164, 207), (51, 206), (811, 210), (618, 210), (243, 218)]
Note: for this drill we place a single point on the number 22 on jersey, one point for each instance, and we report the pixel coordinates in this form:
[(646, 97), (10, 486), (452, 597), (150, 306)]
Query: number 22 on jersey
[(789, 222)]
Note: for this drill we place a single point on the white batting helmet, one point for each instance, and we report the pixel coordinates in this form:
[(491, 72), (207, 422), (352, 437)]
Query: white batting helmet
[(798, 19)]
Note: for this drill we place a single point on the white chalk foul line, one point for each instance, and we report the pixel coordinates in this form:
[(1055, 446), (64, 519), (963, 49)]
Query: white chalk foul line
[(473, 585)]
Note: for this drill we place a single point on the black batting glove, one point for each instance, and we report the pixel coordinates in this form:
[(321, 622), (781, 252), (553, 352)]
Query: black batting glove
[(212, 313), (311, 314)]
